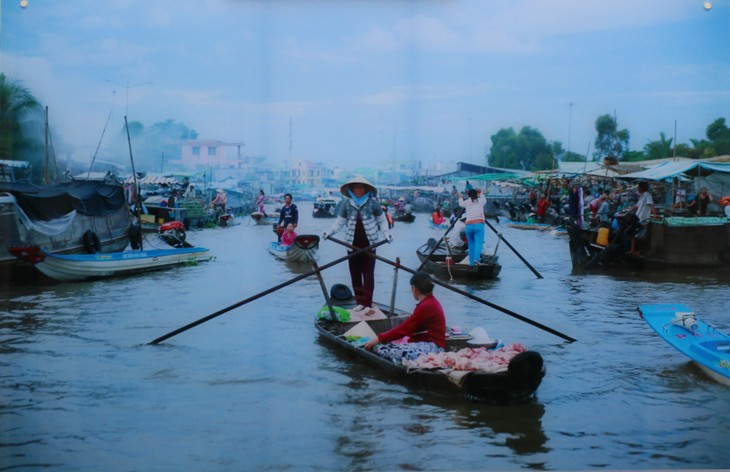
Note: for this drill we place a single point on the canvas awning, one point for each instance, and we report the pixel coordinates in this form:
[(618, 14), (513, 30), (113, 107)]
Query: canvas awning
[(667, 170)]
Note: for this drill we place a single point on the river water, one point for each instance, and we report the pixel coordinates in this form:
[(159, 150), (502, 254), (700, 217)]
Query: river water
[(254, 389)]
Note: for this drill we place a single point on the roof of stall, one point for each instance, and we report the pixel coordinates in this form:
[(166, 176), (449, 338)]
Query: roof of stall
[(667, 170)]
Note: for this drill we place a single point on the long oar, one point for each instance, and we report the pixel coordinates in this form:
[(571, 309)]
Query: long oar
[(534, 271), (356, 252), (467, 294), (451, 226)]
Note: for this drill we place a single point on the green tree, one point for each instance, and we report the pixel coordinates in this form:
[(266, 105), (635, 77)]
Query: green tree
[(719, 135), (610, 141), (527, 150), (658, 149), (20, 113)]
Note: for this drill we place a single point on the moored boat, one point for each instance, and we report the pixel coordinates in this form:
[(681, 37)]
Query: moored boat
[(708, 347), (73, 267), (304, 249), (512, 380), (672, 241), (76, 217)]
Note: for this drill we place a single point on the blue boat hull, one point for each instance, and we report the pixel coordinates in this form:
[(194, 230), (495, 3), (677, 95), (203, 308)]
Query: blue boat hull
[(701, 342)]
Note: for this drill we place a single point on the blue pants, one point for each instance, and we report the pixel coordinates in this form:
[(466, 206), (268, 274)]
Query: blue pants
[(475, 239)]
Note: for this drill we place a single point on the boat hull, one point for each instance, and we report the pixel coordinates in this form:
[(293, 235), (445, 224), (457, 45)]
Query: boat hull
[(268, 219), (304, 249), (517, 385), (672, 242), (488, 268), (705, 345), (73, 267)]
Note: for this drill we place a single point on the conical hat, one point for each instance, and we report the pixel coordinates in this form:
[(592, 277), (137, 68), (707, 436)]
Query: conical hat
[(358, 180)]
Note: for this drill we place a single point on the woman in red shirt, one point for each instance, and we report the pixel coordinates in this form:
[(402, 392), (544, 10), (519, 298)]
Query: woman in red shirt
[(425, 328)]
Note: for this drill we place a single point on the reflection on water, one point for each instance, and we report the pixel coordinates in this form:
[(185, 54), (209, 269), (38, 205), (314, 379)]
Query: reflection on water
[(255, 388)]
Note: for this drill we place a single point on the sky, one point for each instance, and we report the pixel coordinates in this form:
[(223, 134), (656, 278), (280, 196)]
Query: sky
[(362, 82)]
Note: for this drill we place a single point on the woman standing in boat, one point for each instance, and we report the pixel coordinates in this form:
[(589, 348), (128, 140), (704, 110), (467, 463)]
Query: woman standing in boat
[(362, 217), (425, 328), (474, 212)]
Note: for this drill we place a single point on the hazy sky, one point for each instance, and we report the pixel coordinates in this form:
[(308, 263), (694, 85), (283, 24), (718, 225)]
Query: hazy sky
[(366, 81)]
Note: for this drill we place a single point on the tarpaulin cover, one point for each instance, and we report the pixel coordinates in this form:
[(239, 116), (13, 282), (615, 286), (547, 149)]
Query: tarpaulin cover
[(48, 202)]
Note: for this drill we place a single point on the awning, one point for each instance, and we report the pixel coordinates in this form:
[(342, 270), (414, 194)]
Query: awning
[(487, 177), (667, 170)]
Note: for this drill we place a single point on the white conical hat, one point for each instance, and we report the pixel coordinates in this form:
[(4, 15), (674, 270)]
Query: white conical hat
[(358, 180)]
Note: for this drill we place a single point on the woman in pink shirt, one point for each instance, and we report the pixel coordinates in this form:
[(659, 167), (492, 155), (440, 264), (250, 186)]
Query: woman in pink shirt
[(288, 236)]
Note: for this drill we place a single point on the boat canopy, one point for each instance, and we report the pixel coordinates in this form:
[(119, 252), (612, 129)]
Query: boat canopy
[(48, 202), (668, 170)]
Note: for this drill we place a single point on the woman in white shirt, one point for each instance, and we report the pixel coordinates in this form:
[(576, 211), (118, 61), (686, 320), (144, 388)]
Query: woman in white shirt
[(474, 212)]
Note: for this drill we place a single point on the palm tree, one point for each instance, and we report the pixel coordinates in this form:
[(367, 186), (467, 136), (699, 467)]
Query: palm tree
[(16, 105)]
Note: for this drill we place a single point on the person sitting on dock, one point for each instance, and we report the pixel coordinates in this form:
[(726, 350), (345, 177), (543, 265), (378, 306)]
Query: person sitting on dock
[(288, 237), (425, 328)]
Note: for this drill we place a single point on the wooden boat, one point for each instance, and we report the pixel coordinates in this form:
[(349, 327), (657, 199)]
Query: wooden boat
[(304, 249), (671, 242), (488, 268), (324, 207), (404, 217), (529, 225), (95, 266), (441, 252), (676, 324), (267, 219), (77, 217), (517, 384), (438, 264)]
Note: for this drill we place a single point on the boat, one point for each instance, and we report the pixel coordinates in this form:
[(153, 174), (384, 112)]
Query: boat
[(75, 267), (517, 383), (674, 240), (530, 225), (441, 252), (679, 326), (304, 249), (443, 225), (487, 268), (75, 217), (265, 219), (404, 217), (671, 242), (324, 207), (451, 263)]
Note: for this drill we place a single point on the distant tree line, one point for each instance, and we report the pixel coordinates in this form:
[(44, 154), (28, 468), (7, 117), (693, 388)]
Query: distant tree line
[(22, 138), (529, 150)]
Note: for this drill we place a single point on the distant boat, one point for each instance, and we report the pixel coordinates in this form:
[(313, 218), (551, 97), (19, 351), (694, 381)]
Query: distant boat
[(76, 217), (95, 266), (676, 324), (265, 219), (324, 207), (304, 249)]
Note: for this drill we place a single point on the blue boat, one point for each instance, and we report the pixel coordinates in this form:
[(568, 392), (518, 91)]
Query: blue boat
[(72, 267), (703, 343)]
